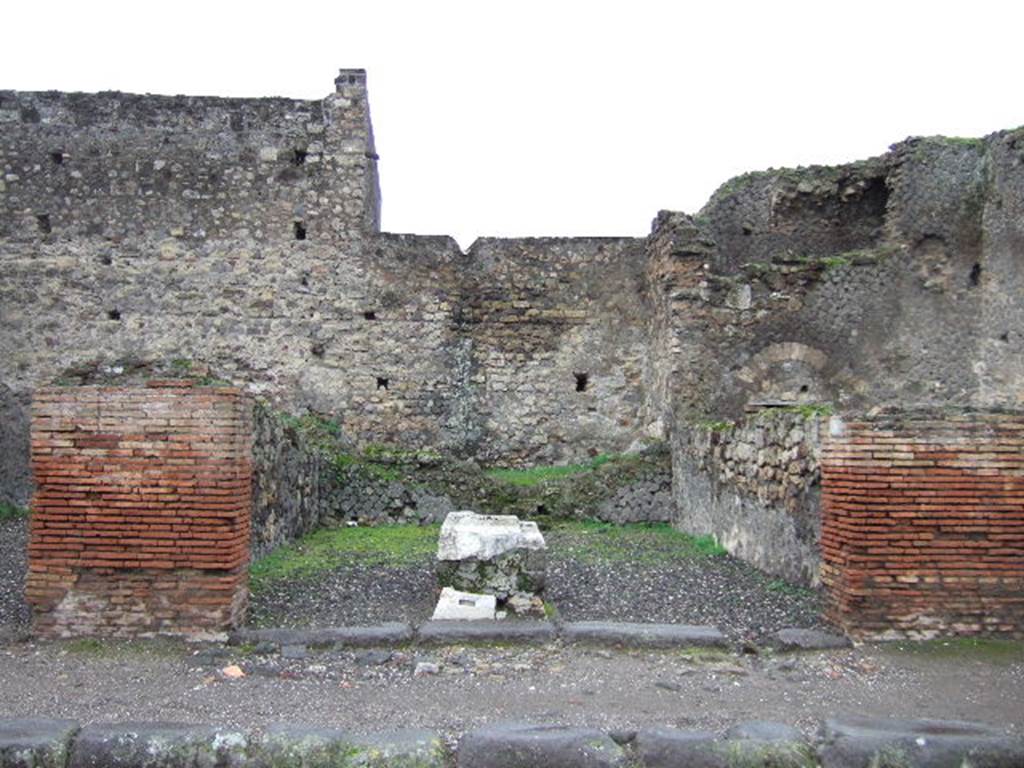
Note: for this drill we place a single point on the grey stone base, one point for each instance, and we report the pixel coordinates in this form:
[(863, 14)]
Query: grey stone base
[(845, 743), (643, 635)]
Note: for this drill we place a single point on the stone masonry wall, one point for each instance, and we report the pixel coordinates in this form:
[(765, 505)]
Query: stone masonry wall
[(923, 524), (114, 165), (754, 486), (140, 518)]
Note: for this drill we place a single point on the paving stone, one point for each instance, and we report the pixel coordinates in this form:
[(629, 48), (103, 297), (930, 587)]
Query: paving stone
[(486, 631), (643, 635), (859, 742), (526, 746), (34, 743), (158, 745)]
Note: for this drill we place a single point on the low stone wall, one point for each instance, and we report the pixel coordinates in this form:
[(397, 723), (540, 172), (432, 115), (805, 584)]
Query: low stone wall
[(839, 743), (140, 517), (754, 486), (923, 524)]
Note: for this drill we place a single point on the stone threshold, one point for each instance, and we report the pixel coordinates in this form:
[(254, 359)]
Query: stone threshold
[(847, 742), (603, 633)]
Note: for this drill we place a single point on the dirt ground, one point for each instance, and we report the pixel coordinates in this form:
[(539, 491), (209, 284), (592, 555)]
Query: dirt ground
[(369, 691)]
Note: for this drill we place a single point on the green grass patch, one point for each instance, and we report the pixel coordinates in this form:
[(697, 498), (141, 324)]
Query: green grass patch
[(157, 647), (389, 545), (985, 649), (12, 512), (649, 543), (536, 475), (782, 587)]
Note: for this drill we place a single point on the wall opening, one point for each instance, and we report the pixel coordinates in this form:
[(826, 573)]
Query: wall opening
[(43, 221), (369, 315), (582, 380), (299, 156), (300, 230), (57, 157), (382, 382), (975, 276), (113, 314)]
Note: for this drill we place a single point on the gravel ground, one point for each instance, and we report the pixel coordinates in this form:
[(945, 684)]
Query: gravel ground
[(598, 573), (14, 613), (378, 689)]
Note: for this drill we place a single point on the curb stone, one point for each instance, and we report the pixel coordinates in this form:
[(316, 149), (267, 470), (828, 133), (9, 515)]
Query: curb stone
[(853, 742), (793, 639), (849, 742), (395, 632), (158, 745), (755, 744), (35, 743), (442, 631), (643, 635), (530, 746), (307, 746)]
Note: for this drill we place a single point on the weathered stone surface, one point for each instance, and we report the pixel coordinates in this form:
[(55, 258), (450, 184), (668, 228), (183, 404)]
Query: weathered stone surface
[(642, 635), (158, 745), (35, 743), (856, 742), (455, 605), (486, 631), (466, 535), (287, 745), (529, 746), (750, 744), (491, 554), (794, 639)]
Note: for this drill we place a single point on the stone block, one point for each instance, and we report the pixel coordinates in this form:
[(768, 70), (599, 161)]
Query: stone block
[(35, 743), (748, 744), (316, 747), (466, 606), (440, 632), (498, 555), (528, 746), (158, 745), (637, 635), (853, 742)]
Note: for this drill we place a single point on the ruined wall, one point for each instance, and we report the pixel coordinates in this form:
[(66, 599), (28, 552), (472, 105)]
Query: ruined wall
[(140, 517), (115, 166), (893, 280), (754, 486), (923, 524)]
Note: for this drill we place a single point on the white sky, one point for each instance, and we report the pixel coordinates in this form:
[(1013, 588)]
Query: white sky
[(560, 117)]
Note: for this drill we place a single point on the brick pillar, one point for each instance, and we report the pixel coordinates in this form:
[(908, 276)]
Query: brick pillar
[(141, 514), (923, 524)]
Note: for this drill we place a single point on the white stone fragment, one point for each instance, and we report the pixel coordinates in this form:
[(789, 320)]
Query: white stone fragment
[(464, 605), (467, 535)]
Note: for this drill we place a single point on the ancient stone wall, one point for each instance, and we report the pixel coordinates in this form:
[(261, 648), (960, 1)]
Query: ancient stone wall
[(923, 524), (894, 280), (140, 517), (754, 486), (115, 166), (556, 334)]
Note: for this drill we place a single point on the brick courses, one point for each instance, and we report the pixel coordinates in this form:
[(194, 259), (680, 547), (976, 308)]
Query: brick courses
[(923, 524), (141, 514)]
